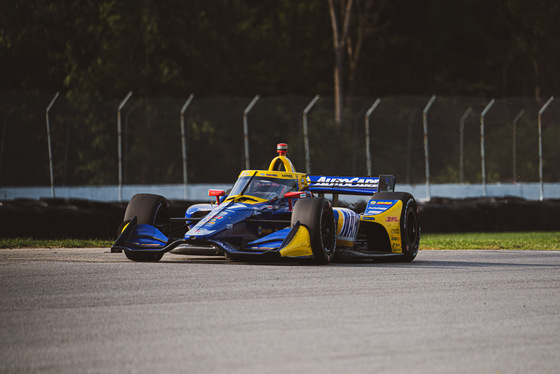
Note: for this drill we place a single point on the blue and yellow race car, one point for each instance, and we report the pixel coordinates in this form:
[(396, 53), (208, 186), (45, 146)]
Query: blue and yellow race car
[(279, 214)]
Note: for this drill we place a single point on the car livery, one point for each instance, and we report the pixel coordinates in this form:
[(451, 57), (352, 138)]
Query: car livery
[(276, 214)]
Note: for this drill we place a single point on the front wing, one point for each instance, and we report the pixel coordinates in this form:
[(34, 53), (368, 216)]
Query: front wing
[(288, 243)]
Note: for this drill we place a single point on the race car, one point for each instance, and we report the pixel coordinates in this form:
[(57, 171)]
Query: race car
[(279, 214)]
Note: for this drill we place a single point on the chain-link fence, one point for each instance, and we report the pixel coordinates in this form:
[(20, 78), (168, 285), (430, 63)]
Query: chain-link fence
[(84, 145)]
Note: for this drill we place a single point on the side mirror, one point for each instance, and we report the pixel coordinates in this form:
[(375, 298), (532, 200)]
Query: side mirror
[(294, 195), (216, 193)]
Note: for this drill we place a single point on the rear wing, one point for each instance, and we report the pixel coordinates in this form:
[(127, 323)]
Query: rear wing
[(351, 185)]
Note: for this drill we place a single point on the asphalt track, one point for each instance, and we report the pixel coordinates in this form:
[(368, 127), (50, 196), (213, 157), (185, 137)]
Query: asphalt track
[(91, 311)]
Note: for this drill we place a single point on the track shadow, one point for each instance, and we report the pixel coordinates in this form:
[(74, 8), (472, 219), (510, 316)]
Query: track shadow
[(416, 264), (435, 264)]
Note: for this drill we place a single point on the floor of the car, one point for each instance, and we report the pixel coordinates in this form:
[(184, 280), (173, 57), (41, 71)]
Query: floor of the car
[(357, 254)]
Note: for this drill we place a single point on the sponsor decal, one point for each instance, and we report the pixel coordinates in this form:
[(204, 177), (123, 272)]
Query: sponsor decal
[(392, 219), (349, 226), (375, 210), (265, 231), (346, 182), (385, 203), (395, 231)]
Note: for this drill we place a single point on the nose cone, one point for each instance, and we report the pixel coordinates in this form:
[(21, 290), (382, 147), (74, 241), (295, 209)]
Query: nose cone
[(221, 218)]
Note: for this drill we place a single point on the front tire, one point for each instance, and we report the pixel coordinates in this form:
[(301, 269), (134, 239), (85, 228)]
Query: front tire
[(316, 214), (151, 210), (139, 256)]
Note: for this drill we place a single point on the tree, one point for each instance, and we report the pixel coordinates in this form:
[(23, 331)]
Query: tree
[(340, 27), (349, 38)]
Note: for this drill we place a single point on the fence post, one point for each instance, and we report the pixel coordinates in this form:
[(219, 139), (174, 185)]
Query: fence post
[(246, 130), (6, 115), (366, 122), (49, 143), (462, 142), (482, 150), (184, 144), (426, 152), (409, 130), (514, 146), (306, 134), (119, 142), (541, 111)]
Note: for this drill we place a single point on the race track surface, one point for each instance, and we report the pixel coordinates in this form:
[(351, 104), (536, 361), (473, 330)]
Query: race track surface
[(88, 310)]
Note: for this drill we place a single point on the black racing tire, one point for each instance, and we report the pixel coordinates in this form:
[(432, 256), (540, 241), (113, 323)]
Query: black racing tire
[(410, 229), (316, 214), (143, 257), (149, 209)]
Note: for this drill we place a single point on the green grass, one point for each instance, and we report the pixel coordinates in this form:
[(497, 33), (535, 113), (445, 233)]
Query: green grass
[(501, 240), (498, 240), (56, 243)]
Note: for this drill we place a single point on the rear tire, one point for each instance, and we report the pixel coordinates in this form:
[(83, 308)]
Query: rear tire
[(410, 230), (316, 214)]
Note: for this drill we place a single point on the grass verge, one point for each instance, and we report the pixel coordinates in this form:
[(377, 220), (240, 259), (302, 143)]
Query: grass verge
[(494, 240), (54, 243), (501, 240)]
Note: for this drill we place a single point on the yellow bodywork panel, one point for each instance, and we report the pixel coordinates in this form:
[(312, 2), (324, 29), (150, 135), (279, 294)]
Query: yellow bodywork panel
[(299, 246), (391, 221), (125, 226), (281, 162), (253, 199)]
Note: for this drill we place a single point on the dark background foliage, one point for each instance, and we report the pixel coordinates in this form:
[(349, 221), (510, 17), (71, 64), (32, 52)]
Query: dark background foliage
[(280, 47), (226, 51)]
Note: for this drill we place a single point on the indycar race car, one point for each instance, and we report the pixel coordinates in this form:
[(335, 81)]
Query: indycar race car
[(278, 214)]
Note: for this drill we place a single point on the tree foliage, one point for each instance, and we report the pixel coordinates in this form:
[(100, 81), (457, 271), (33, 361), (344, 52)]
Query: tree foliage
[(243, 47), (227, 51)]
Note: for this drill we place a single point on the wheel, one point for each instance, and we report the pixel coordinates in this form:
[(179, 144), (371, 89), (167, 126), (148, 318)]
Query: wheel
[(410, 232), (316, 214), (149, 209), (143, 257)]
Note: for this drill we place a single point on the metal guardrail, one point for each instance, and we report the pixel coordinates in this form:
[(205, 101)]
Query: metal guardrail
[(199, 192)]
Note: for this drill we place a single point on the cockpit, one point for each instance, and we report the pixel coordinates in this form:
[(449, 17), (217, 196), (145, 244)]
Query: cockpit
[(263, 187)]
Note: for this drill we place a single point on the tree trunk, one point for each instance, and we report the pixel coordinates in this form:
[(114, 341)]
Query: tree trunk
[(339, 46), (338, 85)]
